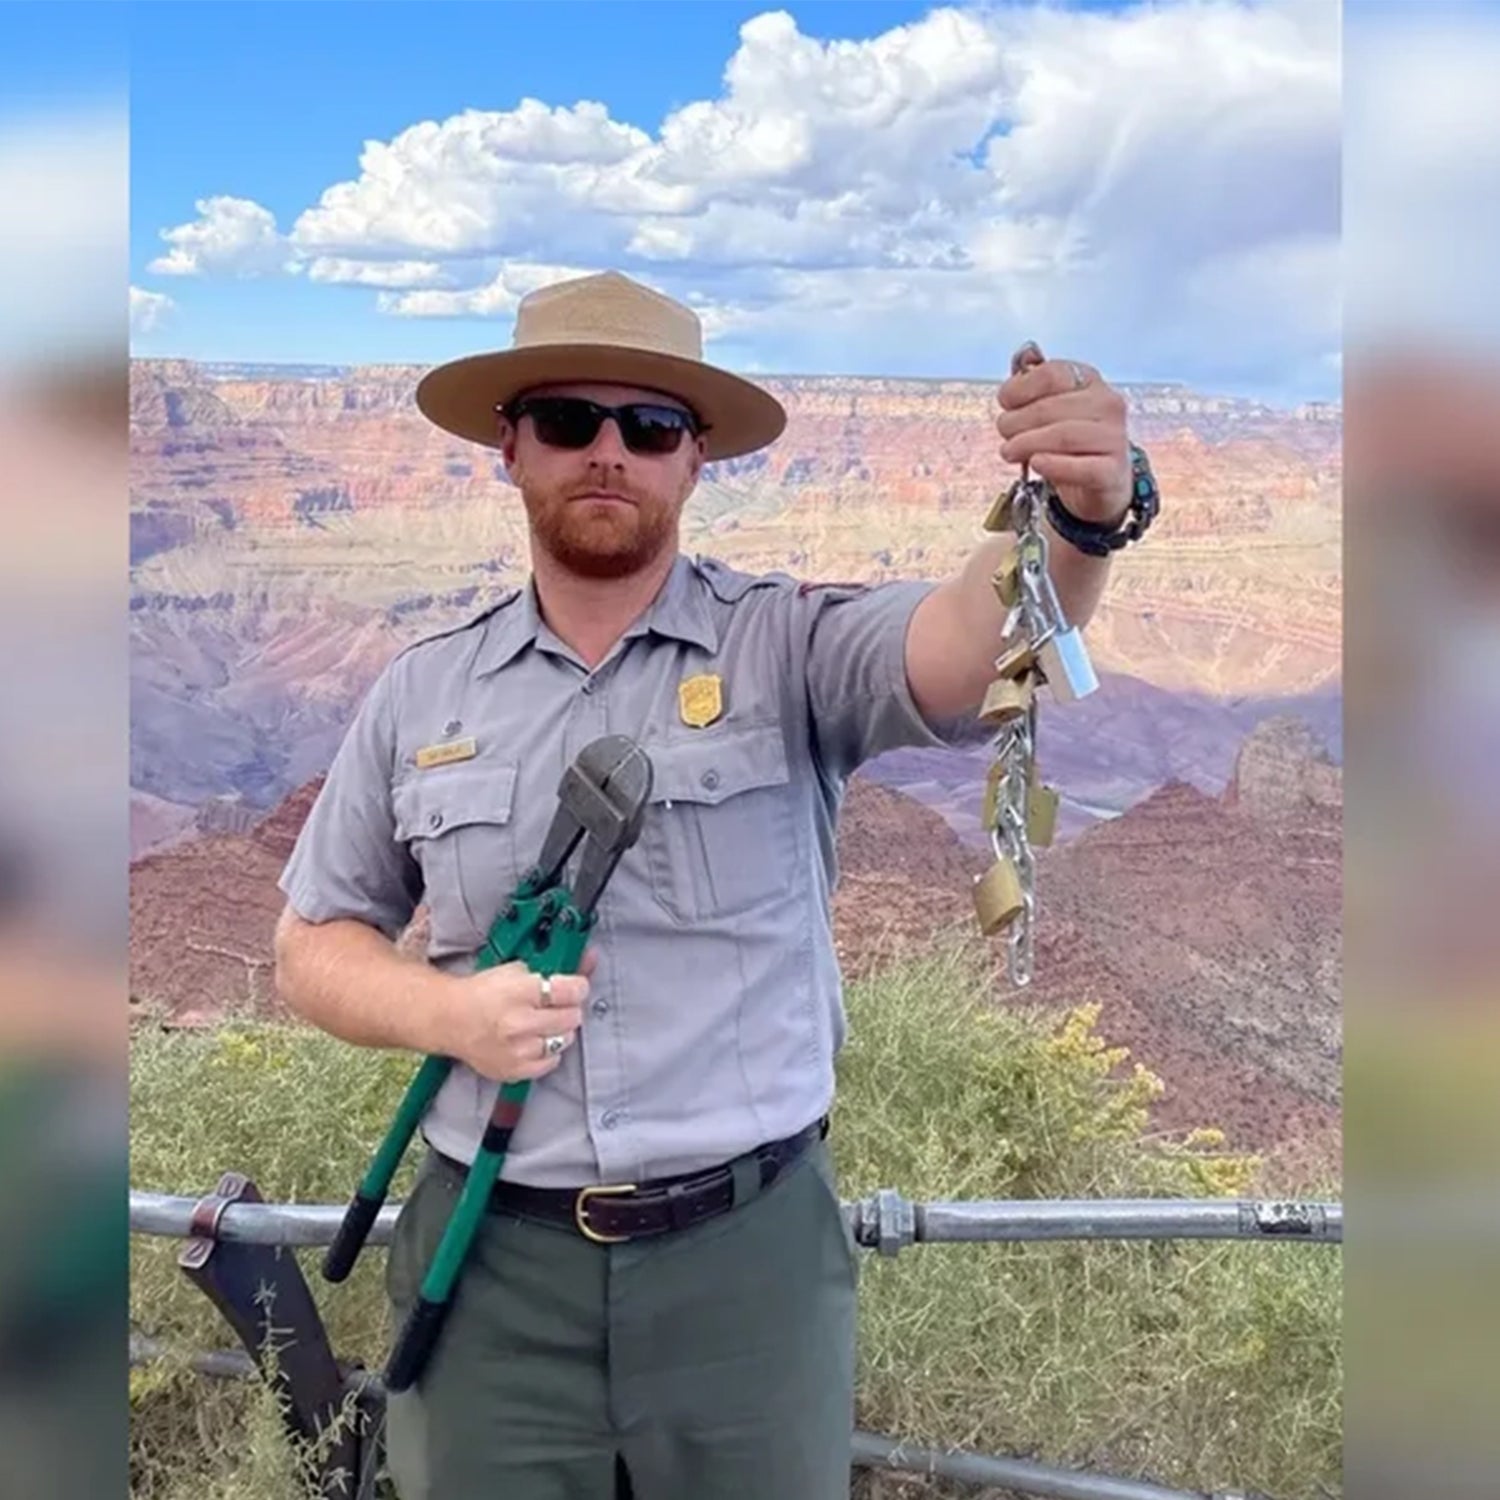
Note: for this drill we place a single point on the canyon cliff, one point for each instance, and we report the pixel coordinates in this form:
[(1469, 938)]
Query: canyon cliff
[(291, 530)]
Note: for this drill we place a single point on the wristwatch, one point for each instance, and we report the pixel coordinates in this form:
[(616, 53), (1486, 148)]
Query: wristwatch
[(1100, 541)]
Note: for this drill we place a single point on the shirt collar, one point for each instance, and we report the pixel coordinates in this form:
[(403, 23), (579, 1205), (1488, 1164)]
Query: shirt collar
[(679, 611), (510, 628)]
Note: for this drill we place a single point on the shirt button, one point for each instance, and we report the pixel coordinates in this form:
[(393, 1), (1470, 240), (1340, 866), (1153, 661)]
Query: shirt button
[(588, 687), (710, 779), (601, 1007), (435, 820), (610, 1118)]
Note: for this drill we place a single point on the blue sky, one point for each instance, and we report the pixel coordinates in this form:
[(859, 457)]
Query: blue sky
[(839, 196)]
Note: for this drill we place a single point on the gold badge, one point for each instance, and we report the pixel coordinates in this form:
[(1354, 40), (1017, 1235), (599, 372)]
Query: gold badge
[(700, 699), (442, 755)]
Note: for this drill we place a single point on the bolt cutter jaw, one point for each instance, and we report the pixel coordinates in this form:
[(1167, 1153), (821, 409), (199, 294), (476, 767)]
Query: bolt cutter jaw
[(601, 801)]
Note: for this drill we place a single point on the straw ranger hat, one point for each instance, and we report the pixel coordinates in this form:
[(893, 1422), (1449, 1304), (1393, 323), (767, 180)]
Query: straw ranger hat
[(602, 328)]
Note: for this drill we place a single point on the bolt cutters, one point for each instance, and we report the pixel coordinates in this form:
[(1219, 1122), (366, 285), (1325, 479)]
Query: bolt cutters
[(602, 801)]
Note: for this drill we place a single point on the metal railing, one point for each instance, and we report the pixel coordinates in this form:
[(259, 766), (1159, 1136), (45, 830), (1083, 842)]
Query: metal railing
[(231, 1253), (884, 1221)]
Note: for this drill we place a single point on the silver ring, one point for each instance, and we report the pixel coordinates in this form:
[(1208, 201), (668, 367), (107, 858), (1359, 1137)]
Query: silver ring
[(1080, 378), (546, 989), (552, 1046)]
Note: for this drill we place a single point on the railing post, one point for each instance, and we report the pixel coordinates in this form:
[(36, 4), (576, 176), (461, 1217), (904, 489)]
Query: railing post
[(262, 1295)]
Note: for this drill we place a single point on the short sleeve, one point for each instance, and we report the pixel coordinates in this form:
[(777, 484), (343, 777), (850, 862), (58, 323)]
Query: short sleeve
[(347, 861), (859, 697)]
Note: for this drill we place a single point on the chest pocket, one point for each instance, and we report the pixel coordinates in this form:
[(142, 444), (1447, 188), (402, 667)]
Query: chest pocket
[(720, 837), (459, 823)]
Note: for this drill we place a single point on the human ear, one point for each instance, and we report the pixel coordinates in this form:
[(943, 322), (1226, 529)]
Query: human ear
[(506, 432)]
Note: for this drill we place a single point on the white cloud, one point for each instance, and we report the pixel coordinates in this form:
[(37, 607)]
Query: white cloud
[(147, 309), (396, 273), (495, 298), (482, 182), (230, 237), (1148, 188), (882, 116)]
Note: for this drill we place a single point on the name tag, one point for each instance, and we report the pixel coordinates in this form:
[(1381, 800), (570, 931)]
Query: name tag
[(442, 755)]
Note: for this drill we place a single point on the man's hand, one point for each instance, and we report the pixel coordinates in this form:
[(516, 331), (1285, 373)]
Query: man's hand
[(504, 1020), (351, 981), (1068, 422)]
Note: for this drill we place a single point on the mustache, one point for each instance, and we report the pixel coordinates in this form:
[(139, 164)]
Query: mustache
[(610, 491)]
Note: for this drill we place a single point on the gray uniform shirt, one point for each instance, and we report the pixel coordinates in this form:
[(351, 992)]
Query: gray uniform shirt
[(716, 1010)]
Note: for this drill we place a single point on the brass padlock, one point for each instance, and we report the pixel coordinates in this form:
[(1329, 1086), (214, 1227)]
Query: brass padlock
[(1000, 517), (1041, 814), (1005, 699), (1006, 581), (1016, 660), (991, 808), (997, 897)]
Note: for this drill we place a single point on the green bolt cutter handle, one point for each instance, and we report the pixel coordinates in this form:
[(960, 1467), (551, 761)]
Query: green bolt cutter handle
[(364, 1207), (602, 799), (559, 951)]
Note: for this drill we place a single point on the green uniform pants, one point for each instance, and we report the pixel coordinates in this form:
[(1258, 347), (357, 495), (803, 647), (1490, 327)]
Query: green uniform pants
[(716, 1363)]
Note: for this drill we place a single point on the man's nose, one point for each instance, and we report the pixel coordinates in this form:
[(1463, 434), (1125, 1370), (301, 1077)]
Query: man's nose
[(608, 446)]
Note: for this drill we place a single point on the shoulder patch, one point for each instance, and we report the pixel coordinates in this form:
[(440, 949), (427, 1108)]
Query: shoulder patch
[(730, 585), (509, 597), (848, 588)]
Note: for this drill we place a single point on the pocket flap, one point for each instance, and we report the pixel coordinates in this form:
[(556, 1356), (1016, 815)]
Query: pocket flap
[(430, 803), (719, 766)]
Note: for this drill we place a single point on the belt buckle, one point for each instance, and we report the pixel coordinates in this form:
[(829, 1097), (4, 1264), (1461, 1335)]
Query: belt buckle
[(580, 1211)]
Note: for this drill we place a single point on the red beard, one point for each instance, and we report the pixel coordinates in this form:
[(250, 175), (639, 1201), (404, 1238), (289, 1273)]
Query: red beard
[(601, 540)]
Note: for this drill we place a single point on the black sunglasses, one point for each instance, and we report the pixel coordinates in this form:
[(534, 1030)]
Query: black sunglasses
[(573, 422)]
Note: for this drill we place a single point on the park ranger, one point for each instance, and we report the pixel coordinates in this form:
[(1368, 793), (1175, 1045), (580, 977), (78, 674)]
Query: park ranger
[(661, 1300)]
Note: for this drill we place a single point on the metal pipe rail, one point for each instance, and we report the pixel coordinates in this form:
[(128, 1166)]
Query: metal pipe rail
[(233, 1237), (885, 1221), (868, 1450)]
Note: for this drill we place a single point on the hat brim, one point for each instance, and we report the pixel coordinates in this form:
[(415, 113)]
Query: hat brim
[(461, 396)]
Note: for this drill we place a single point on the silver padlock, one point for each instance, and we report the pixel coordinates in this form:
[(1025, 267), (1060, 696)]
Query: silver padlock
[(1065, 664)]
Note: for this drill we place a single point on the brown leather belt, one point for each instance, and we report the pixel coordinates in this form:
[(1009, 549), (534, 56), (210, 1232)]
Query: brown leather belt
[(611, 1213)]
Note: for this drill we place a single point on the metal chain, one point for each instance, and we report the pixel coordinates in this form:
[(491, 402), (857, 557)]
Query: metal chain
[(1005, 897)]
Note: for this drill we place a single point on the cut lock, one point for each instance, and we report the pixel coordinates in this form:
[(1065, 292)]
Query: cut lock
[(1006, 581), (1001, 516), (1006, 699), (998, 898), (1017, 659), (991, 807), (1041, 815)]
